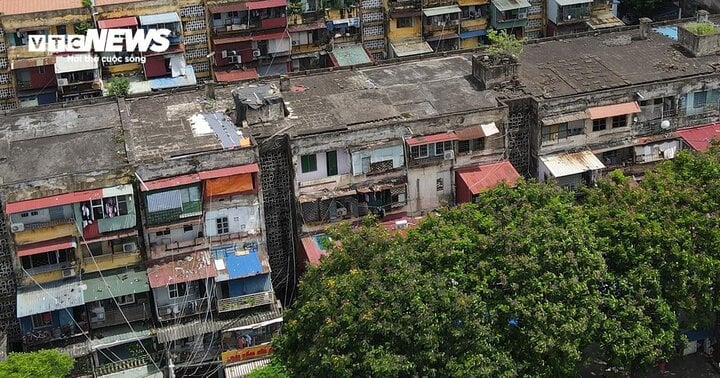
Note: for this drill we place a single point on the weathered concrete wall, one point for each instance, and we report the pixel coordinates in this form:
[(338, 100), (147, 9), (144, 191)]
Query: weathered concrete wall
[(200, 162), (141, 8), (699, 45), (54, 18)]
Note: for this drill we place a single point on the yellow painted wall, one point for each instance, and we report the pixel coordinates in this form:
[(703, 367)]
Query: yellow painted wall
[(469, 43), (480, 23), (45, 233), (106, 262), (398, 34), (46, 277)]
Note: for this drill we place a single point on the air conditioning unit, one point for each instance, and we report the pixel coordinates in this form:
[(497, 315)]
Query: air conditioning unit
[(62, 82), (129, 247), (256, 53), (224, 54), (341, 212), (17, 227), (401, 224), (449, 155), (67, 273), (235, 59)]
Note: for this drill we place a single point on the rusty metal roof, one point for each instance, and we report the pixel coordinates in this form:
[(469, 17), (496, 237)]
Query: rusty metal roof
[(571, 164)]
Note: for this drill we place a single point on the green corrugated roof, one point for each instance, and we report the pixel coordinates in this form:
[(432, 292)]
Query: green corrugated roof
[(351, 55), (120, 282)]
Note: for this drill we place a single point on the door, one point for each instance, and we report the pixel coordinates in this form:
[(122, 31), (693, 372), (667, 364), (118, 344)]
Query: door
[(332, 165)]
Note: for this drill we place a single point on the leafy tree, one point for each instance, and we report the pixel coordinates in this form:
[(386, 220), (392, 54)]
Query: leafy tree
[(273, 370), (295, 7), (48, 363), (119, 86), (504, 43), (87, 4)]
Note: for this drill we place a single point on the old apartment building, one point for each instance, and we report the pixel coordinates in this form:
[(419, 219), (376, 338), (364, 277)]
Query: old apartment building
[(163, 231)]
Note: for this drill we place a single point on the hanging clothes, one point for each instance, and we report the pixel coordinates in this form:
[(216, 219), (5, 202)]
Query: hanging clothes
[(177, 65)]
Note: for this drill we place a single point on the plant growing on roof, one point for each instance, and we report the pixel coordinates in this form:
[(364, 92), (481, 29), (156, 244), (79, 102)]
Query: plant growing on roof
[(701, 28), (119, 86), (295, 7), (502, 43), (87, 4)]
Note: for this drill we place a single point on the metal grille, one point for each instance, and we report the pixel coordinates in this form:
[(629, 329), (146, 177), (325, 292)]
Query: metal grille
[(381, 166), (310, 212), (522, 115)]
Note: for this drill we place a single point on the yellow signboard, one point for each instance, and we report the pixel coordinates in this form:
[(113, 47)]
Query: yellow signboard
[(237, 355)]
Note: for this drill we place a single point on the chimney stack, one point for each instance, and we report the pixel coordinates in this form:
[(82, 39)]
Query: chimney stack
[(702, 15), (284, 83), (210, 89), (644, 27)]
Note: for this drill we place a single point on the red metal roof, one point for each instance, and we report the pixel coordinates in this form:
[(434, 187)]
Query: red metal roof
[(316, 25), (195, 266), (34, 62), (442, 137), (259, 37), (123, 22), (470, 133), (613, 110), (484, 177), (225, 8), (62, 199), (170, 182), (699, 138), (313, 252), (236, 75), (46, 246), (266, 4), (232, 171), (197, 177)]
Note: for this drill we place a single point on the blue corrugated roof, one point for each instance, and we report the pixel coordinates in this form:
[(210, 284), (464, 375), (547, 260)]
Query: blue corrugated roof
[(173, 82), (474, 33), (239, 265), (162, 18), (668, 31)]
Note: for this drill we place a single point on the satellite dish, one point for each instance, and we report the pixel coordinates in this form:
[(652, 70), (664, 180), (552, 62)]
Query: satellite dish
[(665, 124)]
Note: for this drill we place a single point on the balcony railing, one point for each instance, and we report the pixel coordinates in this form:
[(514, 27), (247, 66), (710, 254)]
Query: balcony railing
[(246, 301), (110, 261), (116, 367), (183, 308), (173, 248), (45, 335), (115, 317), (575, 15)]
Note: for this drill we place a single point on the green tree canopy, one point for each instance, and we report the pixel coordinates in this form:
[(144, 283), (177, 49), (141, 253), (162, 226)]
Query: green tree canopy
[(527, 282), (48, 363)]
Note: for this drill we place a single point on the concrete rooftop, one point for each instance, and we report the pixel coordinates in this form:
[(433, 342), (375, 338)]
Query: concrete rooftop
[(572, 66), (44, 143)]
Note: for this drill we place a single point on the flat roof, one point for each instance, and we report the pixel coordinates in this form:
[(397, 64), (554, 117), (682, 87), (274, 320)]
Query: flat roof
[(571, 66), (351, 55), (162, 127), (177, 269), (119, 282), (43, 143), (240, 261), (395, 93)]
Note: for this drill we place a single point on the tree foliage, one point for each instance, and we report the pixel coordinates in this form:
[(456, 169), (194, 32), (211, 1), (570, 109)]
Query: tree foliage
[(503, 43), (273, 370), (526, 282), (48, 363), (119, 86)]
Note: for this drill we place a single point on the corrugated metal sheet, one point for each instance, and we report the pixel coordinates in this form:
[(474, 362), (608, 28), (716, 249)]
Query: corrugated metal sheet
[(112, 336), (563, 3), (506, 5), (571, 164), (437, 11), (62, 199), (75, 63), (252, 5), (484, 177), (112, 23), (562, 118), (242, 370), (426, 139), (46, 246), (699, 138), (181, 331), (608, 111), (162, 18), (56, 295), (119, 282), (192, 267)]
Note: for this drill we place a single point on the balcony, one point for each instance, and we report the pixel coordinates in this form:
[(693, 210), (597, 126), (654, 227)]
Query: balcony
[(110, 261), (442, 27), (45, 335), (119, 366), (38, 232), (246, 301), (183, 308), (569, 16), (473, 24), (115, 317), (49, 273)]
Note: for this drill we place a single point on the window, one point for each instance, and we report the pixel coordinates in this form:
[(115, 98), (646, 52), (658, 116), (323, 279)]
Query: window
[(33, 213), (599, 124), (619, 121), (24, 215), (125, 299), (366, 164), (108, 207), (163, 233), (44, 259), (441, 147), (404, 22), (191, 194), (308, 163), (177, 290), (42, 320), (331, 162), (217, 16), (439, 185), (419, 152), (188, 228), (699, 99), (223, 227)]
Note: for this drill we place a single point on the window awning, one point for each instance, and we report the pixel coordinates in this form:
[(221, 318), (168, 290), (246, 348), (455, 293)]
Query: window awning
[(46, 246), (476, 132), (571, 164), (563, 3), (170, 182), (506, 5), (162, 18), (232, 171), (562, 118), (226, 8), (75, 63), (259, 37), (473, 34), (449, 9), (487, 176), (51, 296), (266, 4), (426, 139), (613, 110), (447, 36), (402, 49), (124, 22), (63, 199)]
